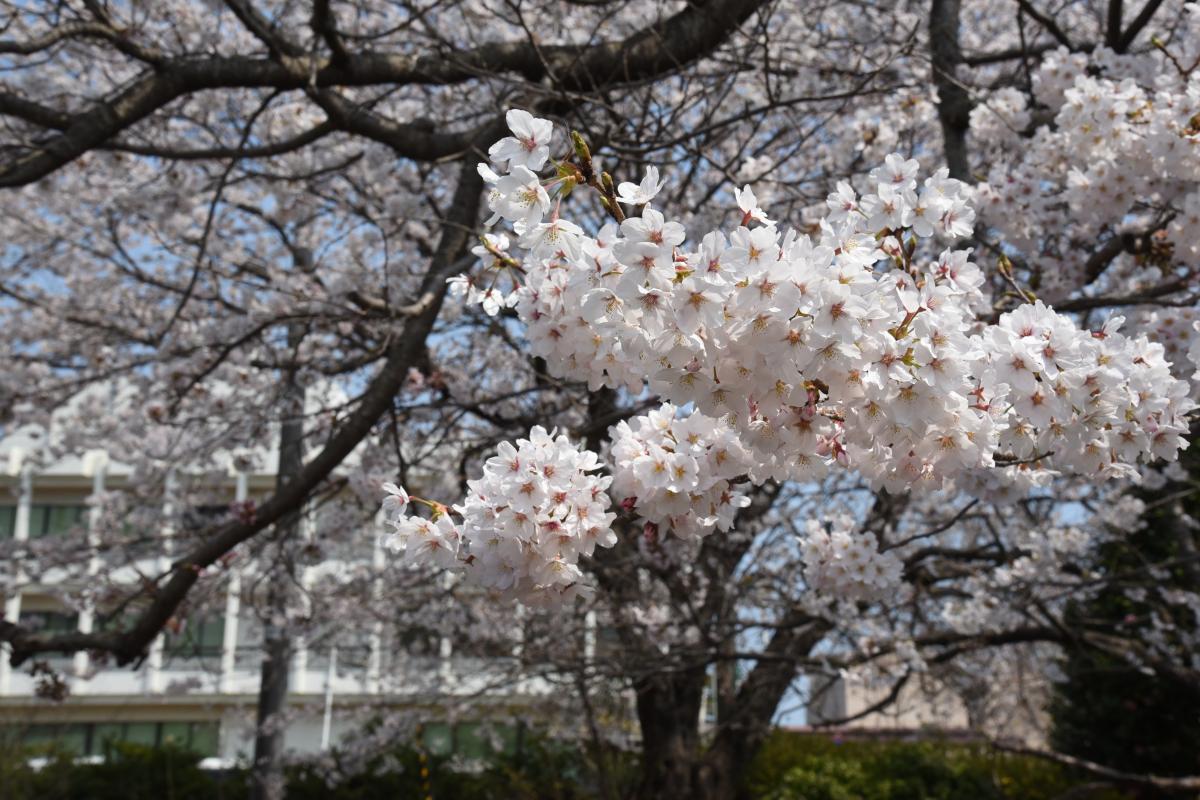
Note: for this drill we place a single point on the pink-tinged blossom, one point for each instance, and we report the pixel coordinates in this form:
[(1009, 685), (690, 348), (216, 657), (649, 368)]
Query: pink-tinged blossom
[(524, 524), (529, 146), (642, 193)]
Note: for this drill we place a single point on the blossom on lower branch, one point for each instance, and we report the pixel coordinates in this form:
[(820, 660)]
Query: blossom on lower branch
[(857, 344), (846, 565), (678, 472), (538, 507)]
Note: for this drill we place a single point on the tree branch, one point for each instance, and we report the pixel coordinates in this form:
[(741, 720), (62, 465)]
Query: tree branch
[(657, 50), (404, 350)]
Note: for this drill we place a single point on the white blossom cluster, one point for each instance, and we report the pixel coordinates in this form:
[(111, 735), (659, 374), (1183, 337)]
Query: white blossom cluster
[(538, 508), (678, 472), (1099, 402), (1176, 330), (853, 349), (846, 565), (1123, 156), (993, 599)]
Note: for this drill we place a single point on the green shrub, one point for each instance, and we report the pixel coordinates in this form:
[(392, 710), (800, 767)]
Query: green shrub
[(790, 767), (130, 772), (543, 770), (795, 766)]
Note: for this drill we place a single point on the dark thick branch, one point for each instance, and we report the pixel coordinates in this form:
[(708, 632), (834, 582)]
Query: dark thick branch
[(954, 103), (12, 105), (1152, 296), (323, 24), (657, 50), (1011, 54), (413, 140), (212, 153), (1139, 23), (1112, 26), (1046, 22), (1114, 775), (405, 349), (81, 30), (760, 694)]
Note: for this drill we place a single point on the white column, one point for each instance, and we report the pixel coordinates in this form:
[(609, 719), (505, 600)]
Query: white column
[(589, 636), (327, 719), (299, 680), (170, 490), (97, 463), (12, 605), (445, 660), (233, 606), (518, 648), (375, 641), (299, 677), (154, 662), (445, 646), (24, 504)]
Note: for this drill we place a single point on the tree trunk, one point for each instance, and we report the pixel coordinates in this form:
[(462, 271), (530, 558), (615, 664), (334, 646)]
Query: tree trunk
[(954, 103), (668, 706), (268, 780), (675, 763)]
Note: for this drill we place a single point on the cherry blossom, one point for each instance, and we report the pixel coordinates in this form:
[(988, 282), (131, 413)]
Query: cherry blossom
[(525, 523)]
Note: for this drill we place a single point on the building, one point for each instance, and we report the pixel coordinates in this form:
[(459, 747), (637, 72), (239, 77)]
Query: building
[(1011, 707), (198, 686)]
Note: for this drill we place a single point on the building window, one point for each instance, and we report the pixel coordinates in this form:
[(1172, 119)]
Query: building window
[(97, 738), (438, 738), (50, 621), (198, 519), (8, 522), (46, 520), (199, 638), (471, 740)]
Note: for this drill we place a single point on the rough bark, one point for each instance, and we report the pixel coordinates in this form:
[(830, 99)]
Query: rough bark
[(676, 762), (406, 349), (267, 779), (954, 103), (668, 706), (660, 49)]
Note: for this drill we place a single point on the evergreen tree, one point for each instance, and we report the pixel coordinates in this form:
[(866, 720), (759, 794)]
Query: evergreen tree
[(1106, 709)]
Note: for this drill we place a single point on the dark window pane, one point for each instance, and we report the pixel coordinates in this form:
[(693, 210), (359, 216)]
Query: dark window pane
[(49, 621), (199, 638), (176, 733), (145, 733), (105, 735), (8, 521), (45, 520), (64, 736), (438, 739), (37, 521), (204, 738), (419, 641), (212, 635), (508, 736), (471, 743), (200, 518)]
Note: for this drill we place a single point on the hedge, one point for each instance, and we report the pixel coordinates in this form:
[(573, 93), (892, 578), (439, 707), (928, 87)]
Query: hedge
[(802, 766), (791, 766)]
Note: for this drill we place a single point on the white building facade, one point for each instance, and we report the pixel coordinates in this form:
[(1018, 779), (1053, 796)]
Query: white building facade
[(198, 687)]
